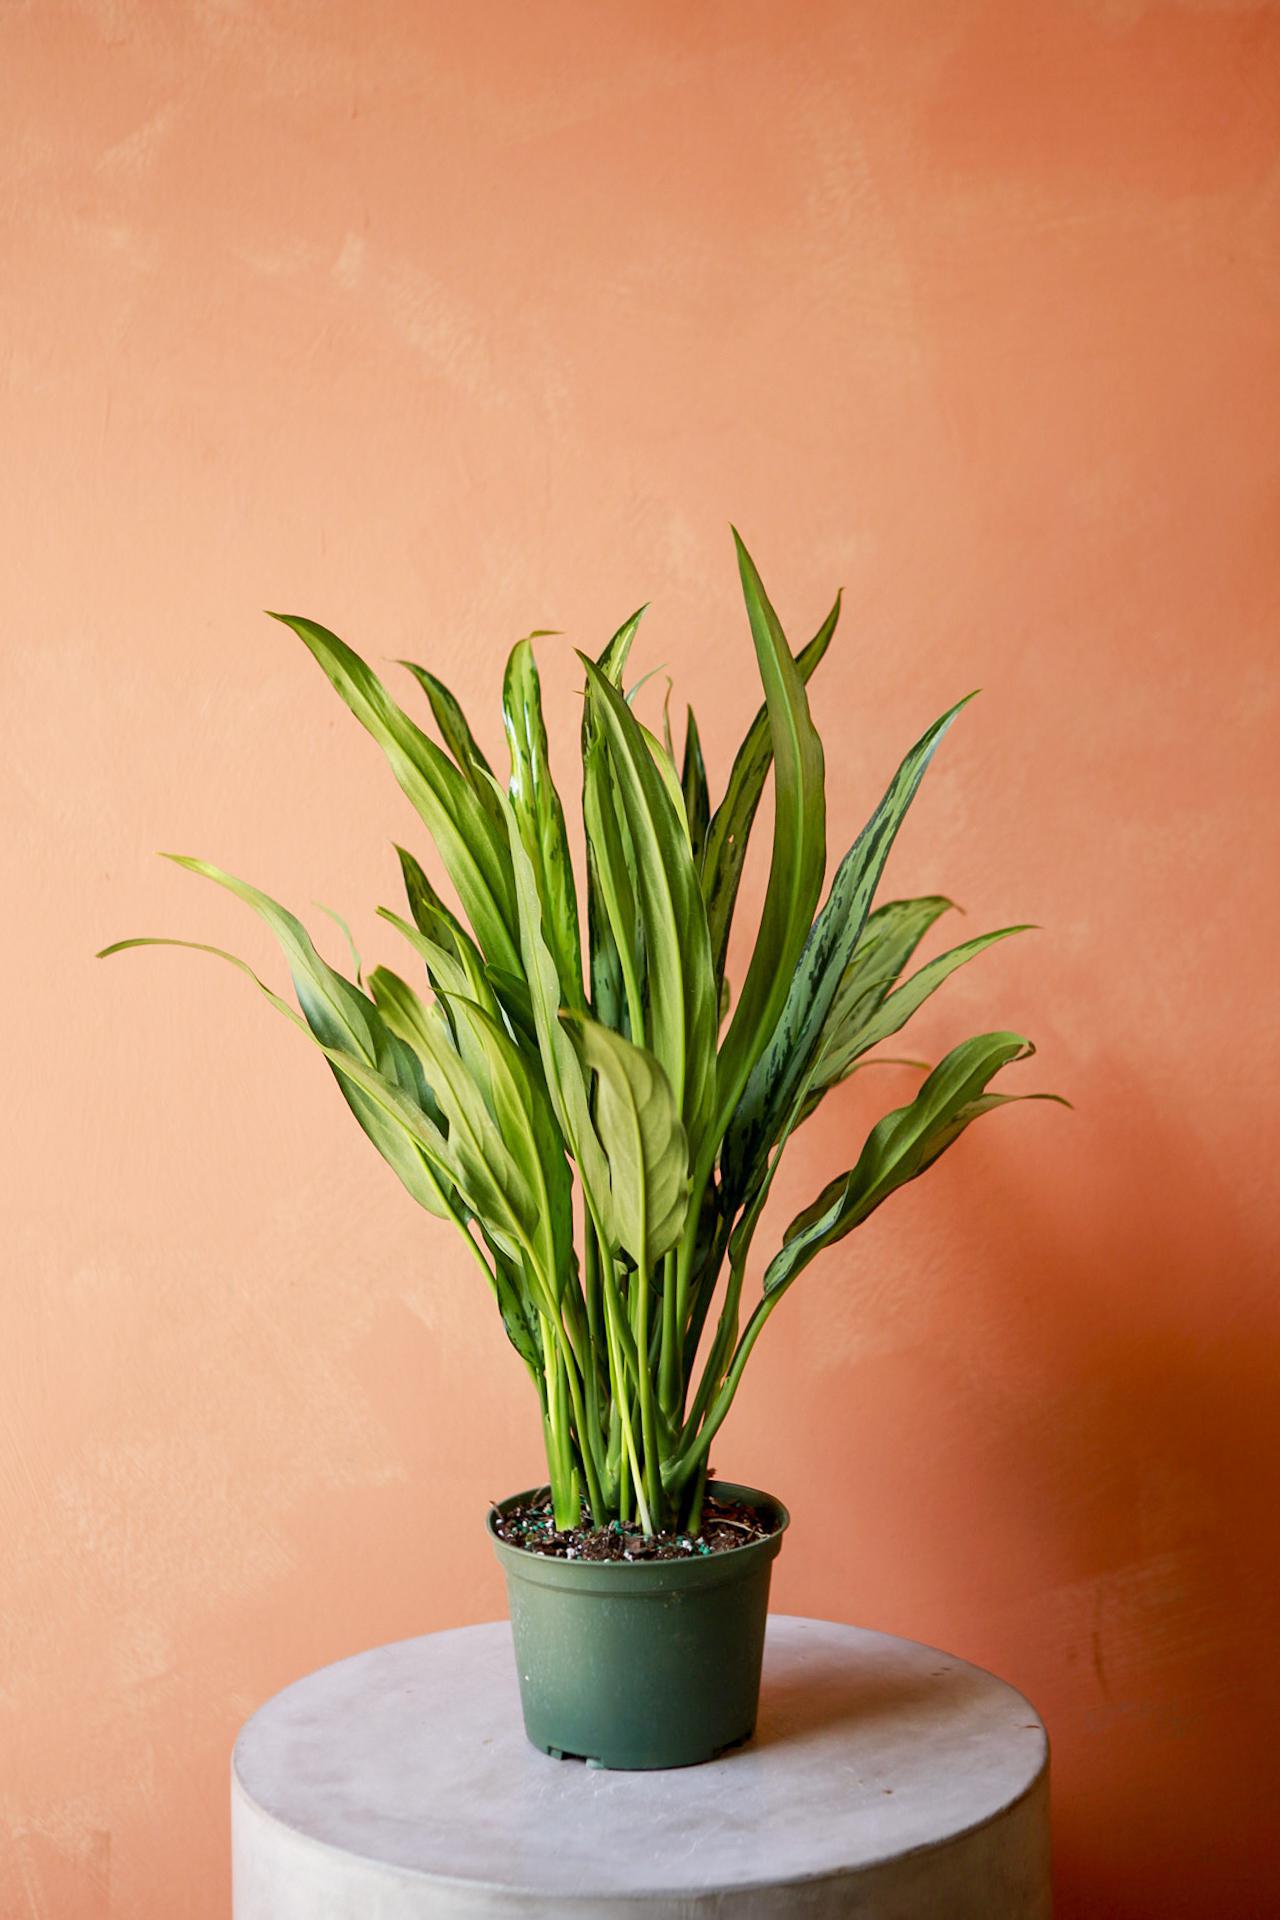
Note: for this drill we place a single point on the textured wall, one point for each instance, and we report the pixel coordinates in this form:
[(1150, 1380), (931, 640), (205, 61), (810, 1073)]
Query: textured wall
[(440, 323)]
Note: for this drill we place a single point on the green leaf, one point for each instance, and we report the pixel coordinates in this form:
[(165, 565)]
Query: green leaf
[(519, 1312), (453, 960), (561, 1066), (427, 1179), (902, 1146), (664, 761), (618, 941), (612, 660), (799, 847), (456, 734), (430, 914), (681, 1012), (693, 780), (891, 935), (725, 847), (465, 832), (869, 1026), (496, 1171), (604, 963), (348, 936), (517, 1099), (433, 919), (540, 818), (642, 1136), (774, 1092)]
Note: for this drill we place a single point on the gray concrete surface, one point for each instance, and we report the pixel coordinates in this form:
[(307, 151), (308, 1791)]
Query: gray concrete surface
[(887, 1781)]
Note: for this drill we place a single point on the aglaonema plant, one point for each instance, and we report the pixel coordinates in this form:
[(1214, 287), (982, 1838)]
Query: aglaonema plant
[(601, 1047)]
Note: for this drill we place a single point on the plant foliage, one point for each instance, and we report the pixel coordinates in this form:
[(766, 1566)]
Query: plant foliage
[(595, 1040)]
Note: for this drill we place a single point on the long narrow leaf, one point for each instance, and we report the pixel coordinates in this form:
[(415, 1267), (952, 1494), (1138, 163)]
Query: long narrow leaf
[(693, 780), (612, 659), (455, 731), (799, 846), (869, 1028), (540, 818), (890, 937), (902, 1146), (517, 1099), (776, 1085), (494, 1168), (724, 848), (561, 1066), (619, 990), (641, 1133), (427, 1179), (681, 1023), (604, 964), (467, 835)]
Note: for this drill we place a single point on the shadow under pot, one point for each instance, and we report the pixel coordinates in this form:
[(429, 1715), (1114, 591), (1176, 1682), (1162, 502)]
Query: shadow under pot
[(645, 1663)]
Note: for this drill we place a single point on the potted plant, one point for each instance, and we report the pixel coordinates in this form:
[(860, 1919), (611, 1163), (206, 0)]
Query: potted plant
[(589, 1038)]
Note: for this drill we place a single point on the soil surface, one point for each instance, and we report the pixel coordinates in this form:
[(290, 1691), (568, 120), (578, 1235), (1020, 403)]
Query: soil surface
[(725, 1524)]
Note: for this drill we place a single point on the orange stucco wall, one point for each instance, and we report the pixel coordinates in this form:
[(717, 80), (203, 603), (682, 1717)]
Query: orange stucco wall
[(440, 323)]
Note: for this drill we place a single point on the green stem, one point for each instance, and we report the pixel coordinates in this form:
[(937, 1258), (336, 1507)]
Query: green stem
[(722, 1346), (648, 1426), (669, 1364), (560, 1465), (693, 1521), (588, 1438), (622, 1400), (677, 1471), (689, 1238)]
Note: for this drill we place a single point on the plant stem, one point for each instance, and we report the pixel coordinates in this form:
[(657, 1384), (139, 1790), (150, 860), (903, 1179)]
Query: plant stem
[(622, 1401), (648, 1428), (588, 1439), (560, 1466), (669, 1367), (677, 1471)]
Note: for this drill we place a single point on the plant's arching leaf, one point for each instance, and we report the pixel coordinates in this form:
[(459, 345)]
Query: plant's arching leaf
[(799, 847), (561, 1066), (540, 818), (494, 1172), (773, 1094), (425, 1175), (408, 1135), (437, 931), (465, 832), (612, 660), (614, 883), (887, 941), (681, 1014), (725, 842), (693, 781), (867, 1025), (519, 1311), (902, 1146), (664, 761), (604, 964), (433, 918), (348, 936), (517, 1099), (641, 1133), (430, 914), (337, 1013), (456, 734)]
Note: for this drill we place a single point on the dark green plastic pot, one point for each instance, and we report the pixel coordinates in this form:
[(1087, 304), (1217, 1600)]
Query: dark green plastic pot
[(646, 1663)]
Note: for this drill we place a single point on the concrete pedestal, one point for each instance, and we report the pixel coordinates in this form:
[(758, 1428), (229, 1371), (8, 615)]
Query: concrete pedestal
[(886, 1781)]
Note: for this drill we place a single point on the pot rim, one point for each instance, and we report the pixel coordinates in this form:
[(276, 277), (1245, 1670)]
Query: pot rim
[(557, 1571)]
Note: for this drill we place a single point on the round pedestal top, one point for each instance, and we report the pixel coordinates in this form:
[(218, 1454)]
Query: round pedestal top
[(413, 1755)]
